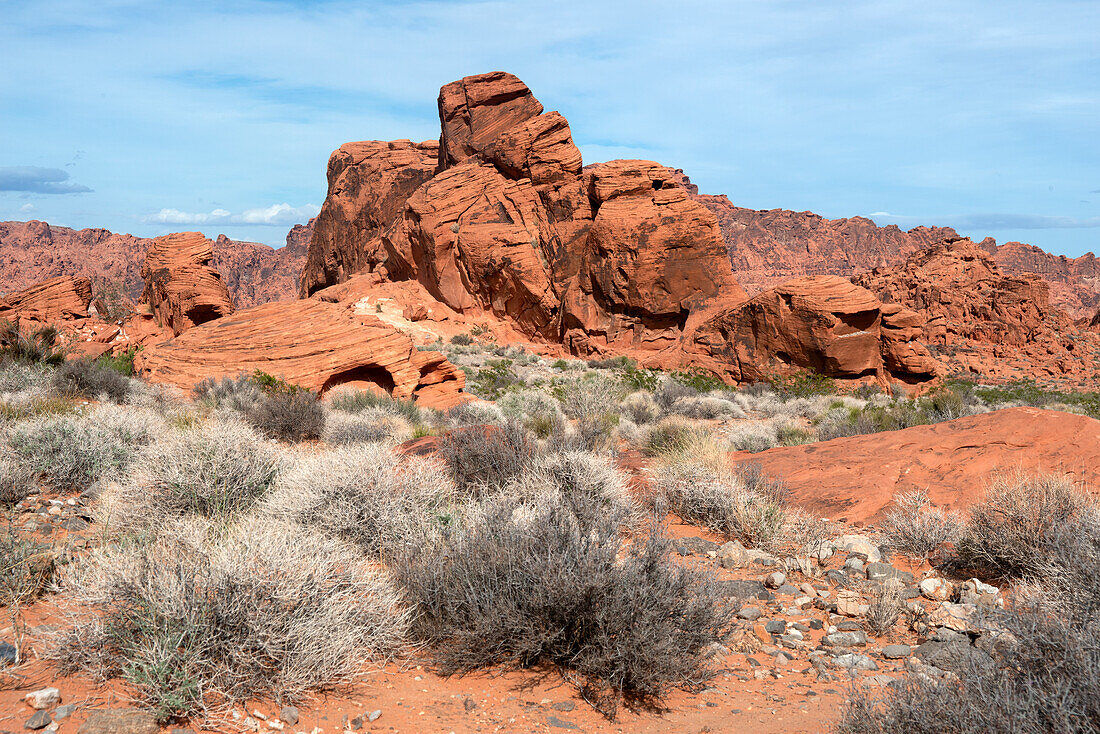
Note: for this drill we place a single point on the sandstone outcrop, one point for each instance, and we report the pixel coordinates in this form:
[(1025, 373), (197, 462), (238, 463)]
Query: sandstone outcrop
[(1074, 282), (981, 321), (821, 323), (34, 251), (857, 478), (311, 343), (181, 286), (50, 302)]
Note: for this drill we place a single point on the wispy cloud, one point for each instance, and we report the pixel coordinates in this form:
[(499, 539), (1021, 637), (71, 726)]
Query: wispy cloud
[(27, 208), (280, 215), (35, 180), (990, 221)]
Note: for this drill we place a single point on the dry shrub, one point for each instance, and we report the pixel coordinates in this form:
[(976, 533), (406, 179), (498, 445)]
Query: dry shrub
[(364, 494), (542, 584), (213, 471), (90, 379), (196, 618), (348, 400), (15, 483), (590, 397), (483, 458), (738, 502), (917, 527), (705, 407), (71, 453), (289, 416), (1010, 532), (373, 425), (885, 607), (641, 408), (580, 479)]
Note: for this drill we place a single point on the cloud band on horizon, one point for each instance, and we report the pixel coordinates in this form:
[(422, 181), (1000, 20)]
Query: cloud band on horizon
[(36, 180)]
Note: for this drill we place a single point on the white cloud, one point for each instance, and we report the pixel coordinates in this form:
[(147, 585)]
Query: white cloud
[(280, 215), (27, 208)]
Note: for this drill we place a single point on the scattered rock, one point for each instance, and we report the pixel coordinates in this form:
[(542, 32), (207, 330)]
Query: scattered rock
[(119, 721), (373, 715), (975, 592), (43, 699), (851, 604), (952, 616), (557, 723), (693, 545), (854, 661), (894, 652), (750, 614), (845, 639), (936, 589), (40, 720), (8, 654), (882, 571), (732, 555), (64, 712), (289, 715), (564, 706), (775, 579), (744, 589)]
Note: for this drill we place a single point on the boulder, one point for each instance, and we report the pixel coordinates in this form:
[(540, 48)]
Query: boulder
[(310, 343), (181, 286), (476, 110), (50, 302)]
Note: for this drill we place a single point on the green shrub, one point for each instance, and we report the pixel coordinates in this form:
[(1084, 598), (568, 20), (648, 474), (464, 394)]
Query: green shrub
[(38, 347), (356, 401), (494, 380), (699, 380), (802, 385)]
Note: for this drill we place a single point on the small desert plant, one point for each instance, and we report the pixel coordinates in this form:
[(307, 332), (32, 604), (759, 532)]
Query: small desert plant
[(671, 435), (269, 609), (357, 401), (15, 484), (1009, 533), (583, 480), (214, 471), (370, 426), (289, 416), (482, 458), (462, 340), (91, 379), (589, 397), (494, 380), (705, 407), (238, 393), (640, 408), (885, 607), (802, 385), (73, 452), (539, 412), (740, 503), (38, 347), (917, 527), (364, 494), (524, 585)]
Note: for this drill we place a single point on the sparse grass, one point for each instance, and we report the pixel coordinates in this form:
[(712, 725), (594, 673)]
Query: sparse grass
[(71, 453), (541, 584), (917, 527), (885, 606), (215, 471), (357, 401), (38, 347), (15, 484), (484, 458), (193, 619), (370, 426), (802, 385), (91, 379)]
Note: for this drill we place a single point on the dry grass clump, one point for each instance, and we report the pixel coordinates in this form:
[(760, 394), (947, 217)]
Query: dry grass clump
[(735, 502), (1022, 518), (640, 407), (198, 619), (581, 480), (475, 413), (23, 377), (885, 607), (15, 483), (917, 527), (706, 407), (484, 458), (672, 437), (348, 400), (89, 379), (289, 416), (590, 397), (541, 584), (71, 453), (213, 471), (373, 425), (539, 412), (364, 494)]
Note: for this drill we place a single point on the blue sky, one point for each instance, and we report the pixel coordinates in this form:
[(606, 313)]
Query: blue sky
[(150, 117)]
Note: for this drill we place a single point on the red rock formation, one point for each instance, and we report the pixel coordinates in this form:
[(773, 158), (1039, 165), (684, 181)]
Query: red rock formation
[(857, 478), (1074, 282), (821, 323), (34, 251), (49, 302), (311, 343), (984, 322), (181, 287), (476, 110)]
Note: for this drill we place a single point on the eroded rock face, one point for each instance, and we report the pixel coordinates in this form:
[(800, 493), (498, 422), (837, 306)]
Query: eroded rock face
[(822, 323), (981, 321), (181, 286), (49, 302), (311, 343), (613, 257), (368, 185)]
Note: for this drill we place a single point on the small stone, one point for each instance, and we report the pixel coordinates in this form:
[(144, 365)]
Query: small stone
[(260, 715), (935, 589), (851, 604), (776, 626), (251, 724), (8, 653), (974, 591), (787, 590), (749, 613), (807, 588), (373, 715), (40, 720), (803, 601), (859, 545), (564, 706), (855, 563), (845, 639), (43, 699), (882, 571), (557, 723), (276, 725), (855, 661), (775, 579), (732, 555), (289, 714), (469, 704), (64, 712), (953, 616), (895, 652)]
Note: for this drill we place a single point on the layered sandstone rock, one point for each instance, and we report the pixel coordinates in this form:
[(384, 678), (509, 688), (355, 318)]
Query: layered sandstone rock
[(33, 251), (821, 323), (50, 302), (181, 286), (311, 343), (981, 321), (1074, 282), (476, 110)]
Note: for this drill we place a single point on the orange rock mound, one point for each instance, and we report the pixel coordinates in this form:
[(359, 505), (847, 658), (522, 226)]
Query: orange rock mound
[(856, 478), (181, 286)]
